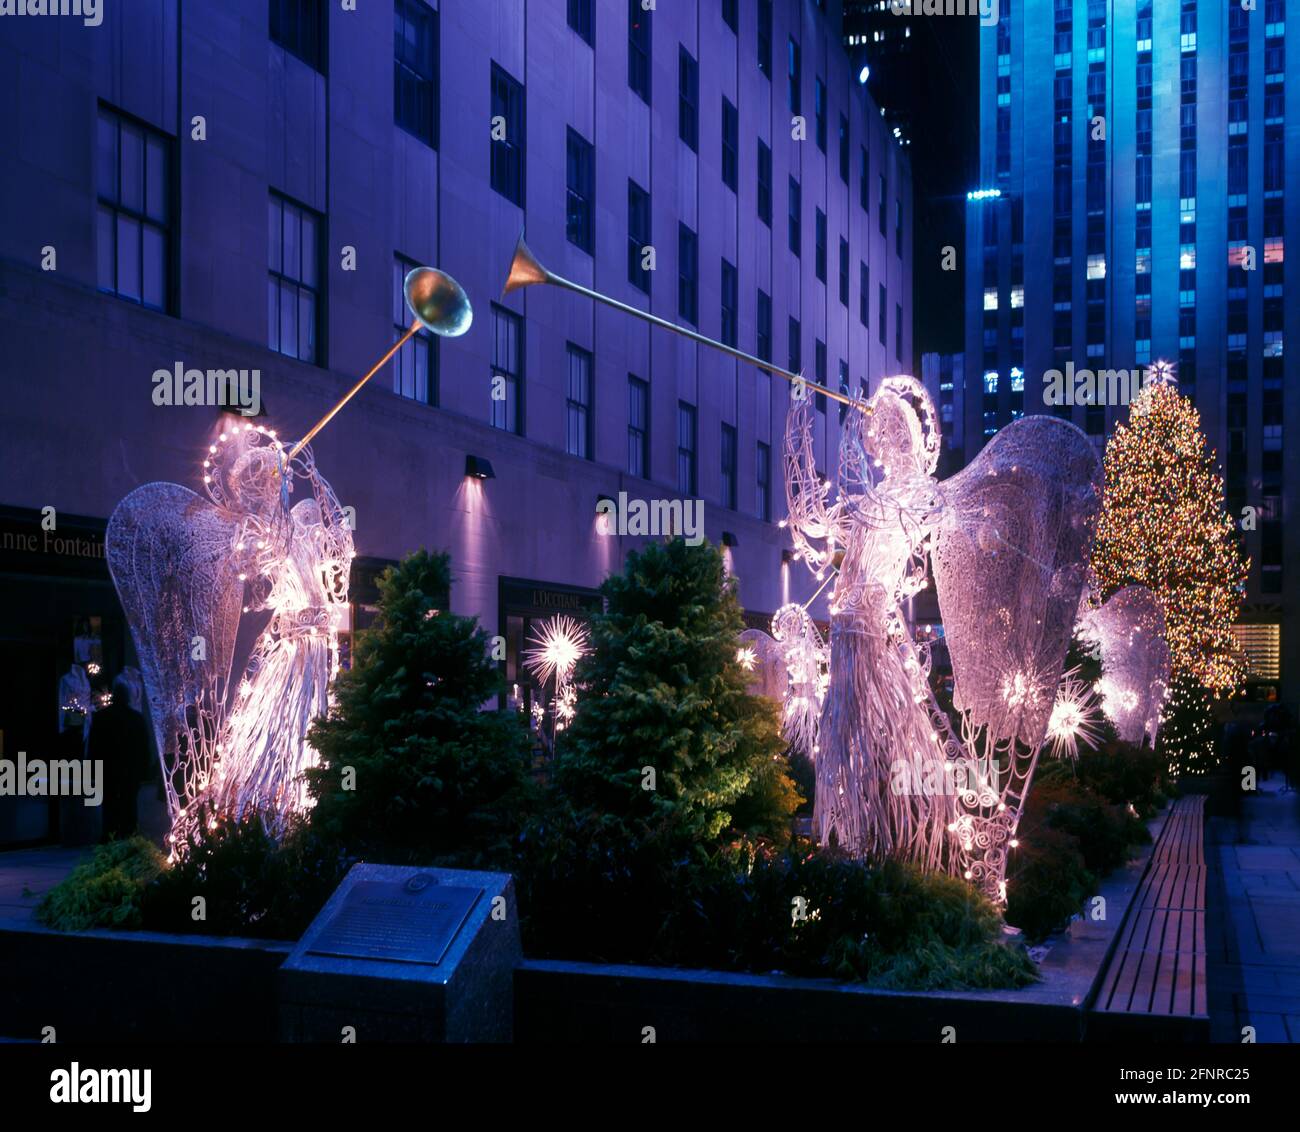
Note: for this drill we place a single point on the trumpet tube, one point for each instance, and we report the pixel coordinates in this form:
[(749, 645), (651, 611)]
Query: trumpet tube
[(527, 271)]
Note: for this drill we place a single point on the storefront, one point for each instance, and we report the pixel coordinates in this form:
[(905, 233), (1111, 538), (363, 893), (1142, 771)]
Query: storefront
[(62, 641), (525, 607)]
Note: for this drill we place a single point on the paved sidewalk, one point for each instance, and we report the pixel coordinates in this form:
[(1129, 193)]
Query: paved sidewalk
[(1253, 925), (27, 874)]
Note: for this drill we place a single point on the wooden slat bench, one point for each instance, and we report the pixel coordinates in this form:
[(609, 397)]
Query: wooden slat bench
[(1156, 976)]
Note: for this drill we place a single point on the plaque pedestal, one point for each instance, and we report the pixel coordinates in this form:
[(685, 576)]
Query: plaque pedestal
[(407, 955)]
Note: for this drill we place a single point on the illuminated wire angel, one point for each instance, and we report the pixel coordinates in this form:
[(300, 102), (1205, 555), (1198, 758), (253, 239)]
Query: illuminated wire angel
[(1007, 539), (791, 667), (187, 569), (1127, 633)]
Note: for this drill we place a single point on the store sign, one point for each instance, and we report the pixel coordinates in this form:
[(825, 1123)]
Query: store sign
[(539, 599), (74, 548)]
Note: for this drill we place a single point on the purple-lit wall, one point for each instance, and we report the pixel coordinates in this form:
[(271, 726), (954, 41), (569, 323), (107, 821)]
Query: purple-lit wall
[(80, 429)]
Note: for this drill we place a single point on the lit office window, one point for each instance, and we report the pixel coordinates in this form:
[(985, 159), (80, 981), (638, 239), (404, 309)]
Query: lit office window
[(580, 196), (415, 73), (686, 468), (293, 306), (415, 369), (578, 419), (638, 427), (299, 27), (507, 388), (133, 217), (508, 146)]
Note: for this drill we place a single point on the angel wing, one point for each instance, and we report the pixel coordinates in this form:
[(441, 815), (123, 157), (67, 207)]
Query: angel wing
[(1009, 544), (1129, 631), (170, 553)]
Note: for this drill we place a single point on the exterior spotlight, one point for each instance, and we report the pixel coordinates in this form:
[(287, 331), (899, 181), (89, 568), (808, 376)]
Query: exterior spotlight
[(604, 499), (787, 556), (479, 468), (864, 74), (728, 539)]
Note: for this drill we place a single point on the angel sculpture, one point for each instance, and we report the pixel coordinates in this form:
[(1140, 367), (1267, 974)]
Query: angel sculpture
[(790, 667), (1127, 632), (1007, 540), (186, 569)]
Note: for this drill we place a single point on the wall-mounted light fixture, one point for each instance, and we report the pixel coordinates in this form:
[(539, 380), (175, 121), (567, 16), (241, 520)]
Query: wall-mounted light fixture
[(479, 468), (728, 539), (605, 499), (787, 556)]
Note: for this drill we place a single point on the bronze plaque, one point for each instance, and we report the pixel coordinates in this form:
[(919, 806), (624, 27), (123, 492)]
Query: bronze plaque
[(412, 921)]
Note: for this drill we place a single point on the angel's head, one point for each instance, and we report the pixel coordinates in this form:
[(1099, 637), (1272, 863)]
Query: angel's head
[(244, 473), (893, 435)]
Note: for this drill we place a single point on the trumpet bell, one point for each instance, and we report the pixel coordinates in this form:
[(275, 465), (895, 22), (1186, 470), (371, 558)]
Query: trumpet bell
[(525, 270), (438, 301)]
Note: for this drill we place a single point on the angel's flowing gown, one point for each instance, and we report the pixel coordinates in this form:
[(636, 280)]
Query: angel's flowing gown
[(882, 782)]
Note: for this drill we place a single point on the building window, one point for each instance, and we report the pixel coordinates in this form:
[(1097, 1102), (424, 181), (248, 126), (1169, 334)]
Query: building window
[(880, 204), (415, 369), (819, 112), (764, 27), (795, 332), (898, 227), (819, 361), (578, 416), (580, 160), (133, 219), (728, 451), (638, 427), (580, 20), (844, 388), (793, 71), (507, 370), (730, 145), (415, 69), (763, 343), (688, 99), (688, 274), (730, 301), (299, 27), (864, 294), (731, 14), (880, 313), (765, 183), (864, 179), (686, 470), (796, 231), (507, 136), (638, 236), (844, 271), (898, 331), (844, 149), (293, 296), (820, 235), (638, 50), (763, 481)]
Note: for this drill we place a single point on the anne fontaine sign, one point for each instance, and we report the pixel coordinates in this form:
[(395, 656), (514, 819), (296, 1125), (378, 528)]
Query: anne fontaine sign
[(50, 542)]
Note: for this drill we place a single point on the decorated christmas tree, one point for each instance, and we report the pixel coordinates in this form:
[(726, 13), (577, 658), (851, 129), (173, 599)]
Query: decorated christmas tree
[(1187, 733), (666, 730), (1163, 525)]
